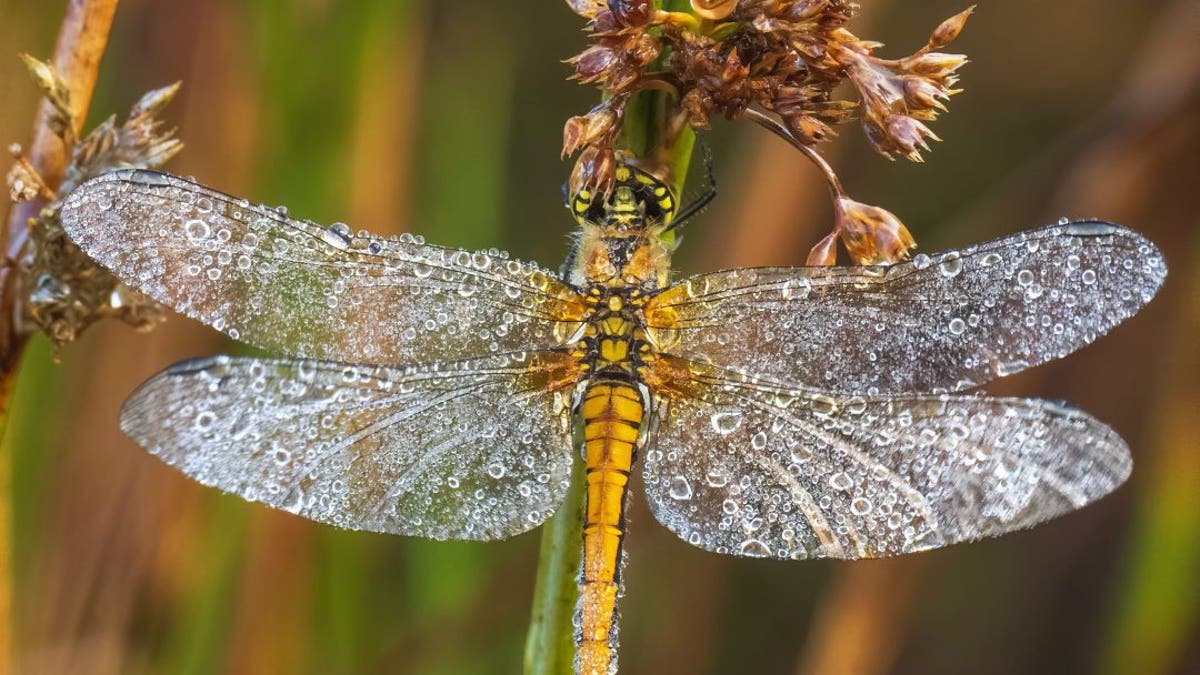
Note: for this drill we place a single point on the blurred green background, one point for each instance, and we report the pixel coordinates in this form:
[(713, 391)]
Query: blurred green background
[(445, 118)]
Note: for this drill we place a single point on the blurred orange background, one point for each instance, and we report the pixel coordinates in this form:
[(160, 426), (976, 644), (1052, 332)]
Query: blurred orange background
[(445, 119)]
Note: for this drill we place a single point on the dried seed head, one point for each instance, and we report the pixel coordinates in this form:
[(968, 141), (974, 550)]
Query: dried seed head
[(949, 29), (777, 62), (871, 235), (782, 56), (64, 290), (824, 254)]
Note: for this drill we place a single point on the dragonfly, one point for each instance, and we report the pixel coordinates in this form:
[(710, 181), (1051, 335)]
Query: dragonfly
[(780, 412)]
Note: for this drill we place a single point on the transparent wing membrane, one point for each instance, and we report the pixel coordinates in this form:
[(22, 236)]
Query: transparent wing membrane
[(476, 449), (744, 468), (941, 323), (298, 288)]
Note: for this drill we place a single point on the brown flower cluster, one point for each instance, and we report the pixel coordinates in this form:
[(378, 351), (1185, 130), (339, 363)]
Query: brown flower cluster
[(777, 62), (64, 290)]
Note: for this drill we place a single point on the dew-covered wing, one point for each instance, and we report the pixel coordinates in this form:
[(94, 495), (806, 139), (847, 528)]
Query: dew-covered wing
[(477, 449), (748, 469), (941, 323), (295, 287)]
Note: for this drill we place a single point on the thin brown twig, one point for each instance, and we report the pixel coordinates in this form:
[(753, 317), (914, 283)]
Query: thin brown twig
[(82, 38)]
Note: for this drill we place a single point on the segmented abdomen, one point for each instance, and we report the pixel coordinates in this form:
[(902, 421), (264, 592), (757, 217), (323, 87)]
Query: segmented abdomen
[(612, 417)]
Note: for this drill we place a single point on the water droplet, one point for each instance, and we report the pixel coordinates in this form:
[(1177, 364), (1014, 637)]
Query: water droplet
[(196, 230), (801, 454), (796, 288), (1088, 277), (823, 405), (717, 478), (1024, 277), (337, 235), (758, 441), (205, 420), (957, 326), (951, 264), (841, 481), (680, 488), (753, 548), (1090, 229), (726, 422), (860, 506), (496, 471)]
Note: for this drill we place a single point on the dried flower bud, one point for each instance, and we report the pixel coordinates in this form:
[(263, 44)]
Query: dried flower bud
[(936, 65), (594, 169), (714, 10), (24, 181), (949, 29), (44, 75), (824, 254), (47, 79), (591, 63), (586, 129), (920, 92), (908, 135), (152, 102), (871, 235), (630, 13)]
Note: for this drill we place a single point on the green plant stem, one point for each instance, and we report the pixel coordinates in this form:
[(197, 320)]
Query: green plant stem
[(550, 645)]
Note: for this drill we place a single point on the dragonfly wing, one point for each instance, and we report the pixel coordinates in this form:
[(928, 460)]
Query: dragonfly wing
[(747, 469), (941, 323), (477, 449), (298, 288)]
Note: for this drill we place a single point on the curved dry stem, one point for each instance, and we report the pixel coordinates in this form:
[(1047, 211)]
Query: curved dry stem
[(82, 38)]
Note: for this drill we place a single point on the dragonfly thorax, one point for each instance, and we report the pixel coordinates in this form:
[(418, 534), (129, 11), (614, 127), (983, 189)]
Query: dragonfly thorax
[(620, 243), (615, 342)]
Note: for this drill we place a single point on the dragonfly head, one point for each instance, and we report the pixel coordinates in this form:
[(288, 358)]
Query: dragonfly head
[(620, 239)]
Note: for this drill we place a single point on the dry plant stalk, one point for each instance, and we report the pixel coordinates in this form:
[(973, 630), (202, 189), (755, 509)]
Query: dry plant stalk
[(774, 62), (82, 39)]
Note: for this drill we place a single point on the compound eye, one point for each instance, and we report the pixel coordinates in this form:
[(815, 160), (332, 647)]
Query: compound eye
[(585, 208)]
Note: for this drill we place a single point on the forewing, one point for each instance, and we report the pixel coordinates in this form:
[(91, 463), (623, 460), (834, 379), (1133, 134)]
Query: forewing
[(298, 288), (469, 450), (941, 323), (747, 469)]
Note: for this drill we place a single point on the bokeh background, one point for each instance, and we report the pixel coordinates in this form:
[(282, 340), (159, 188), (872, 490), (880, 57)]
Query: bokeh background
[(445, 118)]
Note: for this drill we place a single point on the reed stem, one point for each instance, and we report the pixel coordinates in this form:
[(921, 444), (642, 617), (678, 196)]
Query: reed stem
[(82, 38)]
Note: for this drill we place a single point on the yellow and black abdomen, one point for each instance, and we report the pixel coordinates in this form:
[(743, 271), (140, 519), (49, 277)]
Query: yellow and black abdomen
[(612, 415), (612, 410)]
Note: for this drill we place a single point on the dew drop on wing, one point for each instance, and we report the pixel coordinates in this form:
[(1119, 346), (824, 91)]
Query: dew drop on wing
[(337, 235), (680, 489), (951, 264), (1088, 228), (144, 177)]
